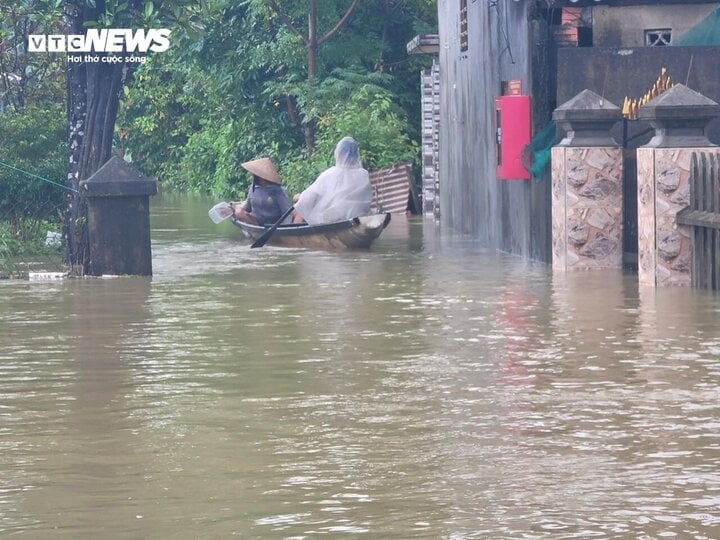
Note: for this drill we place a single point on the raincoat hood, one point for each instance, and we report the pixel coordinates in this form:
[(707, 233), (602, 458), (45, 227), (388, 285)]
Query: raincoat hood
[(341, 192), (347, 154)]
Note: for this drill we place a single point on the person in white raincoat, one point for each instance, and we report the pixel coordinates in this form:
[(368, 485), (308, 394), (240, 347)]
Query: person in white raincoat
[(339, 193)]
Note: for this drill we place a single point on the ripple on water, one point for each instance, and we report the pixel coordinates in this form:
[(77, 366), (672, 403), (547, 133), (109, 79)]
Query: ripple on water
[(435, 391)]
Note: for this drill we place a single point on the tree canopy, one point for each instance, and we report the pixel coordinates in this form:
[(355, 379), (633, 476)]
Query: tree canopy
[(237, 83), (246, 89)]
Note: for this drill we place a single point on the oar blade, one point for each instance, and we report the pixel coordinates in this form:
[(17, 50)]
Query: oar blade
[(260, 242)]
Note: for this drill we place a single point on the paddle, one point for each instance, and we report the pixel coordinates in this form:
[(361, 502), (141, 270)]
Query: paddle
[(260, 242)]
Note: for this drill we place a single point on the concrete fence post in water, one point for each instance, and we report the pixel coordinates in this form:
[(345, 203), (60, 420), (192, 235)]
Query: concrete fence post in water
[(119, 219), (587, 171), (680, 117)]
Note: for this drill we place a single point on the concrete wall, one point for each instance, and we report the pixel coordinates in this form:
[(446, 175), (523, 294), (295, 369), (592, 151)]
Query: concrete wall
[(625, 26), (512, 216), (616, 73)]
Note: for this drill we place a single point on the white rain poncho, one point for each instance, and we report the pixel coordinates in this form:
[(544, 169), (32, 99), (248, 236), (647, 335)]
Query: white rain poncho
[(339, 193)]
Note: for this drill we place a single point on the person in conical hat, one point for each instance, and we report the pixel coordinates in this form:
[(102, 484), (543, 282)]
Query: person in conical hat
[(267, 199), (264, 169)]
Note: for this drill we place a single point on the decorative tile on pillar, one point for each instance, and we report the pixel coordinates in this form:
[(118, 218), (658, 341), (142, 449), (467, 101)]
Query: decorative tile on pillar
[(594, 177), (664, 247), (594, 237), (672, 194), (557, 167), (559, 246), (672, 187), (646, 215), (592, 207)]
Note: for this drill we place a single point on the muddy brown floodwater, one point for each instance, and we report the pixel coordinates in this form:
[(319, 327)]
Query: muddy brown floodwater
[(426, 388)]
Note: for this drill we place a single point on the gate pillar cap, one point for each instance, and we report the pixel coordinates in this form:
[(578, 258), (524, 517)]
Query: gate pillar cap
[(680, 117), (587, 118), (588, 105), (679, 102), (118, 179)]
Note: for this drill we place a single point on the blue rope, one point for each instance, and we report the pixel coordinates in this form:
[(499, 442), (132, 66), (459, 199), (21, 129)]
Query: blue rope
[(38, 177)]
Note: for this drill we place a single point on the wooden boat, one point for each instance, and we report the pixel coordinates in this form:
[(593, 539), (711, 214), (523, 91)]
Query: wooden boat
[(358, 232)]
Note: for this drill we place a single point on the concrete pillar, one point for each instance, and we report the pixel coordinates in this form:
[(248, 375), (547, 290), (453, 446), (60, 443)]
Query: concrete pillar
[(119, 220), (430, 108), (587, 172), (680, 117)]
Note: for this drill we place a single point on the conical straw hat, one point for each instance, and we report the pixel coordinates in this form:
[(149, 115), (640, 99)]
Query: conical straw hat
[(263, 168)]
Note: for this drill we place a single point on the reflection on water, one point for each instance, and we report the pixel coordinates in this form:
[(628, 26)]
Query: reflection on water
[(424, 388)]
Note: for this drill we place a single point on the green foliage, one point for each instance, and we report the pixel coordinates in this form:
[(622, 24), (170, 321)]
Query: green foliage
[(37, 145), (32, 135), (179, 15), (198, 111), (371, 118), (211, 163), (155, 120), (26, 237), (23, 246), (9, 244), (27, 77), (195, 114)]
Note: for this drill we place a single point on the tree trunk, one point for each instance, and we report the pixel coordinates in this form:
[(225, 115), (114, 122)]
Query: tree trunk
[(104, 82), (74, 228), (311, 43), (312, 48), (94, 90)]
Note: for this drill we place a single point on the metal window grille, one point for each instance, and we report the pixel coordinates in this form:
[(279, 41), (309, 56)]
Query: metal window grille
[(658, 38), (463, 26)]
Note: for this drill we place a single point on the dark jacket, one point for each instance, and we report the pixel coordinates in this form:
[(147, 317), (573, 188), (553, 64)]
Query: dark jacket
[(267, 203)]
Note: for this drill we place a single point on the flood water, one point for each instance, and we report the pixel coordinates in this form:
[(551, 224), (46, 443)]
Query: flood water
[(426, 388)]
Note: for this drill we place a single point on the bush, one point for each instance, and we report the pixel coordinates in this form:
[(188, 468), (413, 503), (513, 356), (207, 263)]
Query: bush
[(36, 145), (27, 237), (369, 117), (23, 246)]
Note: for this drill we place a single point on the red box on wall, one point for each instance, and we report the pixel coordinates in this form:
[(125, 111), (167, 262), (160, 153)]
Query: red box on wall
[(513, 134)]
